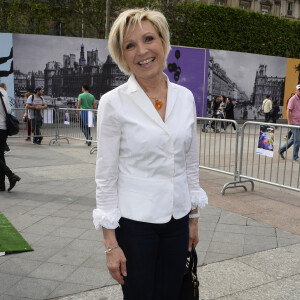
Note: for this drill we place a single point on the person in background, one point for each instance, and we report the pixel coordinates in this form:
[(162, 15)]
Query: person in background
[(229, 112), (222, 107), (289, 134), (147, 168), (26, 118), (6, 148), (85, 101), (215, 108), (4, 169), (275, 113), (293, 116), (266, 107), (36, 104), (222, 102)]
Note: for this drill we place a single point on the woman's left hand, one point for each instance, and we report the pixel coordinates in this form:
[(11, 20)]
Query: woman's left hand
[(193, 233)]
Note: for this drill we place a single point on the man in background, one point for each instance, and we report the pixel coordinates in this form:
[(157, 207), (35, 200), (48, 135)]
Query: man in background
[(266, 107), (293, 116), (85, 101), (35, 104)]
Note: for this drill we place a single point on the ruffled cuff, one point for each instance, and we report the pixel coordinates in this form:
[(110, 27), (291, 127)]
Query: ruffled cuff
[(199, 199), (106, 220)]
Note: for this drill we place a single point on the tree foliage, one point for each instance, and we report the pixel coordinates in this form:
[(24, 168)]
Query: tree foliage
[(211, 26), (191, 24)]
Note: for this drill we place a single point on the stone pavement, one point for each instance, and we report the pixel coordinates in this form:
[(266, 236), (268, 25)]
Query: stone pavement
[(249, 241)]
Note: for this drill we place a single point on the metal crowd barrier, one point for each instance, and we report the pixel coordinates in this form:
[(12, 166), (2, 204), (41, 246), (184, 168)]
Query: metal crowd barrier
[(235, 153), (76, 124), (49, 127), (272, 170), (221, 148), (218, 151), (61, 124)]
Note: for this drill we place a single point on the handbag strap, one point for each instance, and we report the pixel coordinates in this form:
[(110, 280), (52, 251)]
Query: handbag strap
[(1, 96), (193, 260)]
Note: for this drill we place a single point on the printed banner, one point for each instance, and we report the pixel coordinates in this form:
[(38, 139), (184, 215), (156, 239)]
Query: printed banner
[(6, 65), (247, 79), (292, 79), (60, 65), (189, 68), (266, 141)]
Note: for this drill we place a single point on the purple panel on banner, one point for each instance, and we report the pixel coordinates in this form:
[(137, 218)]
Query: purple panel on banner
[(189, 67)]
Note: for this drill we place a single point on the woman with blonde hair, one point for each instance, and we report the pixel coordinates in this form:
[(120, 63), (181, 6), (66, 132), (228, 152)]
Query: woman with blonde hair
[(147, 169)]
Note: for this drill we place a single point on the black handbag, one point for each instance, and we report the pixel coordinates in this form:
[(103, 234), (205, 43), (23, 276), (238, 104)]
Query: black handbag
[(190, 283), (12, 123)]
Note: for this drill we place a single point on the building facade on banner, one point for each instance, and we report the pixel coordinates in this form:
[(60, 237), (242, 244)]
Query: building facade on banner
[(66, 80), (20, 83), (267, 85), (219, 84), (24, 83), (280, 8)]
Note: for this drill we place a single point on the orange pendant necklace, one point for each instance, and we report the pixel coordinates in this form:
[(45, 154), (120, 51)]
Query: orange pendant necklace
[(158, 104)]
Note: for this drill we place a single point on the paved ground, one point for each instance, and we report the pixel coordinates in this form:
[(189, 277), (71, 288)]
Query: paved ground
[(249, 241)]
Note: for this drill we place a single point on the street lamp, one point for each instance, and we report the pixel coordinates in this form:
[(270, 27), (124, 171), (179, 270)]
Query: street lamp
[(107, 19)]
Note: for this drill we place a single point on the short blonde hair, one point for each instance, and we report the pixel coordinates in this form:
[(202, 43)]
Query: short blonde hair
[(126, 21)]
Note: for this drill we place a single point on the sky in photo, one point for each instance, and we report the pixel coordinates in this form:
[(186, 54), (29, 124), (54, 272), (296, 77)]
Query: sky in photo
[(32, 52)]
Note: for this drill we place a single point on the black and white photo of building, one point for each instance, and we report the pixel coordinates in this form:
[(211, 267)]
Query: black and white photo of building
[(60, 65), (247, 79), (267, 85)]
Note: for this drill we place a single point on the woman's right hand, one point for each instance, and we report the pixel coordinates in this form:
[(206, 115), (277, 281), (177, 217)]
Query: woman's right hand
[(116, 264)]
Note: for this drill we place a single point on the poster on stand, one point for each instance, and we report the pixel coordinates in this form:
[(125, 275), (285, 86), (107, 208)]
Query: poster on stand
[(67, 119), (266, 140)]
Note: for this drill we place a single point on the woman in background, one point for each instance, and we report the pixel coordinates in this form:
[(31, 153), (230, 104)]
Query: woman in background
[(229, 112)]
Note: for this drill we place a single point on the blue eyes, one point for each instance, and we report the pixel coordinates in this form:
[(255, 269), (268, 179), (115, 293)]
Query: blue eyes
[(148, 39)]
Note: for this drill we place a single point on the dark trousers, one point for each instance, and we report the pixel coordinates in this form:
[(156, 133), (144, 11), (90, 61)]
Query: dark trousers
[(36, 126), (232, 124), (156, 256), (28, 128), (267, 117), (4, 169)]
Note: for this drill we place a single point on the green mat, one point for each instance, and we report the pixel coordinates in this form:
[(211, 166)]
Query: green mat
[(10, 239)]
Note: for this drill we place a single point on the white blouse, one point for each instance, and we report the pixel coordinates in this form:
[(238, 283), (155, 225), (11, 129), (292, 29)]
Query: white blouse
[(147, 170)]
